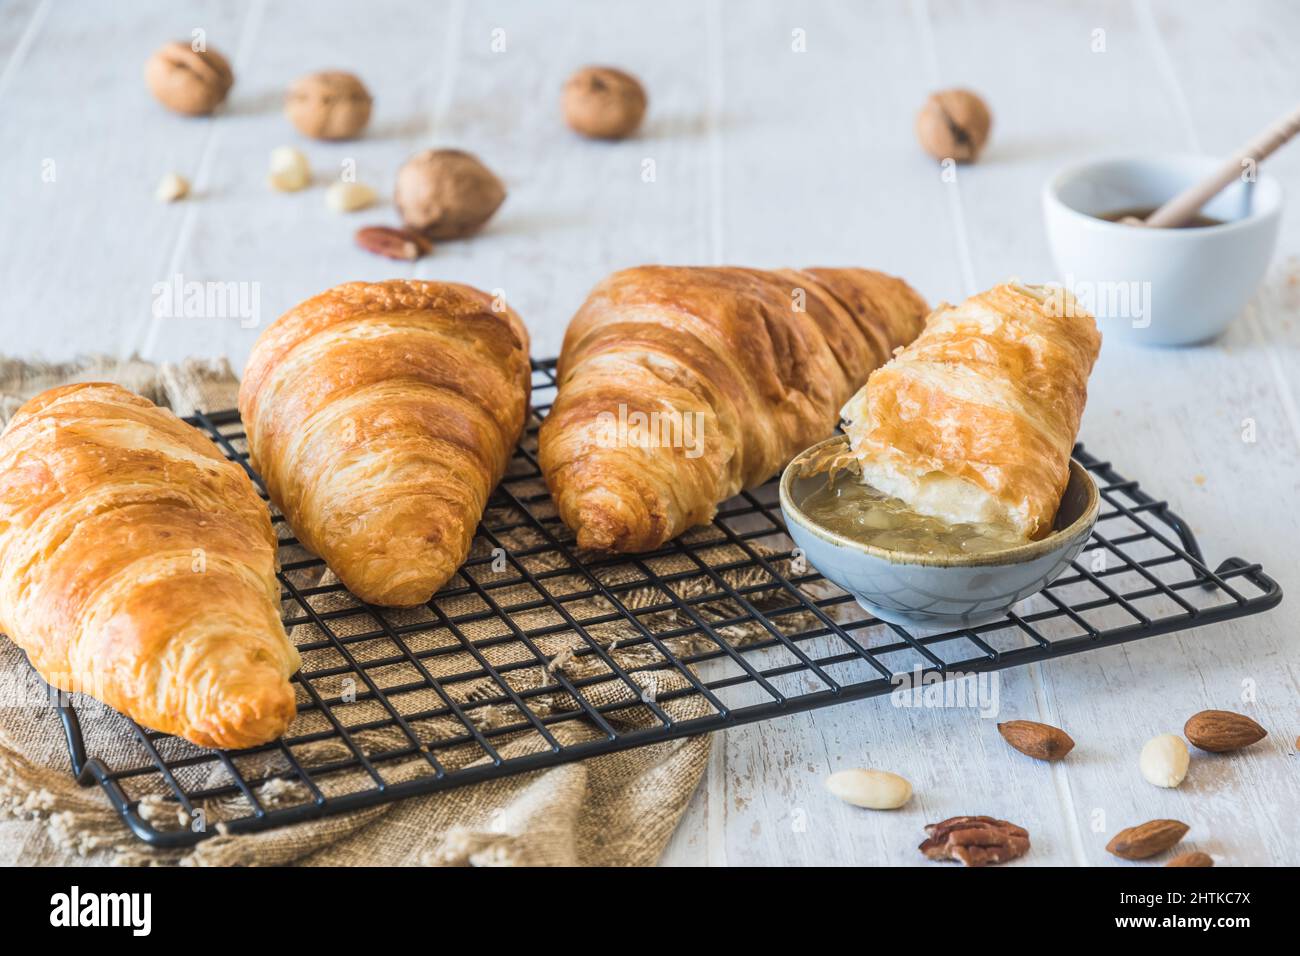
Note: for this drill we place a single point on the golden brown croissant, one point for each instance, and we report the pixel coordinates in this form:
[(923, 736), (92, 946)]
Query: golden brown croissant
[(381, 416), (678, 387), (976, 419), (138, 565)]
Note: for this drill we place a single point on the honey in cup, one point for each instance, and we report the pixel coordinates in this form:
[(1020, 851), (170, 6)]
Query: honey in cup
[(861, 513), (1141, 212)]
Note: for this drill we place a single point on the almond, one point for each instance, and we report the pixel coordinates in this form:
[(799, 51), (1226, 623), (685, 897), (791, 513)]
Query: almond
[(1195, 858), (1219, 731), (1042, 741), (393, 243), (1148, 839), (873, 789)]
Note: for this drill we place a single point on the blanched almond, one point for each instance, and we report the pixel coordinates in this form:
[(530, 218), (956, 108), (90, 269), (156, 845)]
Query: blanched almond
[(172, 187), (349, 197), (873, 789), (289, 170)]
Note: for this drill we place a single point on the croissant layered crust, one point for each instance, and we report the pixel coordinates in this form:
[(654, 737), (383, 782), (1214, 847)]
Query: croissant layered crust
[(975, 420), (381, 416), (138, 565), (679, 386)]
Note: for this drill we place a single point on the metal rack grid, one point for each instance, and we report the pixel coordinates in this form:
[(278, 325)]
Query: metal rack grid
[(534, 655)]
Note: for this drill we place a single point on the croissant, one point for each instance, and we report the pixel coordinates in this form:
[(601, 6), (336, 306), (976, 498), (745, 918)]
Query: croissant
[(678, 387), (975, 420), (138, 565), (381, 416)]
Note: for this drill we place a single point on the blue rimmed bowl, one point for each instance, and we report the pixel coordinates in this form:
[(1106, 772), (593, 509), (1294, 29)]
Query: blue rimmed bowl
[(947, 591)]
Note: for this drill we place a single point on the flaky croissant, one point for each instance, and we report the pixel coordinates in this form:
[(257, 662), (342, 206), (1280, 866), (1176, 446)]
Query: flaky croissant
[(678, 387), (975, 420), (138, 565), (381, 416)]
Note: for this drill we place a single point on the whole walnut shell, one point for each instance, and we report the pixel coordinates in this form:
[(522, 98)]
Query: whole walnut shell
[(603, 103), (188, 81), (446, 193), (329, 105), (954, 124)]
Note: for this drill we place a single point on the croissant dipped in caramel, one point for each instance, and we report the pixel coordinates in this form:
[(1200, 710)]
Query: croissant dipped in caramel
[(678, 387), (138, 565), (381, 416), (974, 422)]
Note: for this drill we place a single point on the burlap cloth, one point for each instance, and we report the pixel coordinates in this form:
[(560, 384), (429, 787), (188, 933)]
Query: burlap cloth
[(616, 809)]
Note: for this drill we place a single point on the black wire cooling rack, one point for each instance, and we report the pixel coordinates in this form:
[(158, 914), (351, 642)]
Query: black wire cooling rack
[(535, 655)]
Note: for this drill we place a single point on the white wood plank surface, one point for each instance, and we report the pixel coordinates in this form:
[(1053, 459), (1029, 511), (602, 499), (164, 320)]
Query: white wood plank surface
[(764, 154)]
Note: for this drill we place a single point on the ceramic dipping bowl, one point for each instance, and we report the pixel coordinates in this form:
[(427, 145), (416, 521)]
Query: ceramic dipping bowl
[(1159, 286), (925, 590)]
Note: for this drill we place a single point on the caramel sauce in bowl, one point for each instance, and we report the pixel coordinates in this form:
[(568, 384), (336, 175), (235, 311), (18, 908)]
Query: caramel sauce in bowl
[(960, 583)]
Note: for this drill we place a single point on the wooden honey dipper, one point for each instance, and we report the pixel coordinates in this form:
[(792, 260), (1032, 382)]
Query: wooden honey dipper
[(1183, 207)]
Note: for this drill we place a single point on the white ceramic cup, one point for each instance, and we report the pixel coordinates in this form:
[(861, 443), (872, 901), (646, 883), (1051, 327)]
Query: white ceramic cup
[(1159, 286)]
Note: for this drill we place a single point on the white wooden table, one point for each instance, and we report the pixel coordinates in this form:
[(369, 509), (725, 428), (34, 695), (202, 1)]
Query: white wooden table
[(763, 156)]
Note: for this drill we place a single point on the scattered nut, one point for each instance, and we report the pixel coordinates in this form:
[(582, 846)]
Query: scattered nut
[(289, 170), (186, 80), (1042, 741), (1164, 760), (1219, 731), (349, 197), (603, 103), (446, 193), (873, 789), (954, 124), (171, 188), (393, 243), (975, 841), (330, 105), (1195, 858), (1147, 839)]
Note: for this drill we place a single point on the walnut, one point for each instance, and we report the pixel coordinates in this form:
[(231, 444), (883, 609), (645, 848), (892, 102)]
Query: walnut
[(188, 81), (954, 124), (330, 105), (603, 103), (975, 841), (446, 193)]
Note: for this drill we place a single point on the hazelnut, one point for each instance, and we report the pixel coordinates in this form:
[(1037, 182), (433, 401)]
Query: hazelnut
[(953, 124), (188, 81), (603, 103), (446, 193), (331, 105)]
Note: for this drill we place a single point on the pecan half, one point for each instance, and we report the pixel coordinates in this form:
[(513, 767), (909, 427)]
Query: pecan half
[(975, 841), (394, 243)]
